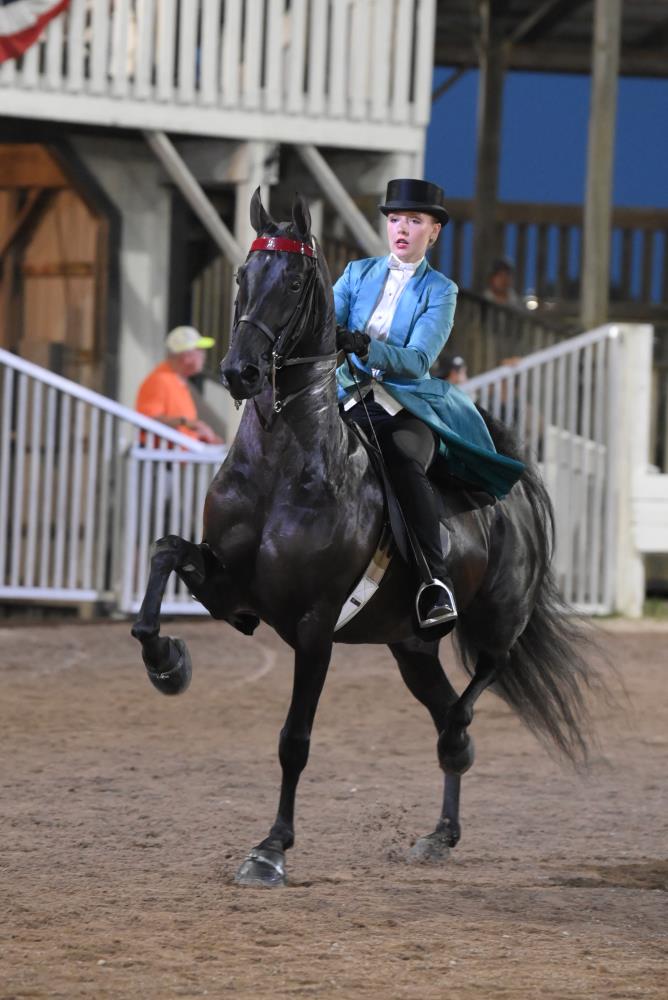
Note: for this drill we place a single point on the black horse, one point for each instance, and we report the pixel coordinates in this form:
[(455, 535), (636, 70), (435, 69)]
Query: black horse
[(293, 518)]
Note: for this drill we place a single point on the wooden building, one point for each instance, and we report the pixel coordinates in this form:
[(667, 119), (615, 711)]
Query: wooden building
[(133, 134)]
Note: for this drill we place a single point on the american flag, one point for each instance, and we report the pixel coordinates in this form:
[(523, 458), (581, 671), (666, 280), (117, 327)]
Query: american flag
[(22, 22)]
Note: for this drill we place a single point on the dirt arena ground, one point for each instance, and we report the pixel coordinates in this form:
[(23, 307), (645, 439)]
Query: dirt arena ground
[(124, 815)]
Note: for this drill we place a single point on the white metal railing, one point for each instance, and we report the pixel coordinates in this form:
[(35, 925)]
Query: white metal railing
[(82, 496), (69, 493), (165, 493), (563, 404), (193, 65)]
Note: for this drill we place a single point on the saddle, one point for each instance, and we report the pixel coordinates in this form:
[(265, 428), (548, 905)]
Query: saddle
[(456, 496)]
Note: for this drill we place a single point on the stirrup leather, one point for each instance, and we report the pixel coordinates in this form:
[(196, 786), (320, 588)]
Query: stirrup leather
[(441, 619)]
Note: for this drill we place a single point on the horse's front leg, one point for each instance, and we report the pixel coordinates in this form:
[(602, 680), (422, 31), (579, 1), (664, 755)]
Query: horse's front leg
[(265, 864), (167, 659)]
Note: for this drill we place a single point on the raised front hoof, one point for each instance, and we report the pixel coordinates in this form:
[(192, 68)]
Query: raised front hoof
[(175, 676), (431, 850), (262, 869), (455, 756)]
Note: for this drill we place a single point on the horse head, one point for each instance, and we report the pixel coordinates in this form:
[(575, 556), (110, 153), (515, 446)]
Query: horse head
[(281, 302)]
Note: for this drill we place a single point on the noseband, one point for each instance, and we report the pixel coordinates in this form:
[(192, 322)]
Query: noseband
[(285, 341)]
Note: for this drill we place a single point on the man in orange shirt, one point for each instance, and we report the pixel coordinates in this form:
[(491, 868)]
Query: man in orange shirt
[(165, 394)]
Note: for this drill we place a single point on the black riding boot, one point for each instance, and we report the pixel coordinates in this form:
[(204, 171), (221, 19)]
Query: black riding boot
[(435, 601)]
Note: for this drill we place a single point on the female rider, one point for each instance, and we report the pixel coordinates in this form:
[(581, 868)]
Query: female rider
[(395, 314)]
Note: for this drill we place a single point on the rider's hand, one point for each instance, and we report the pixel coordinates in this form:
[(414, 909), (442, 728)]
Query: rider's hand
[(352, 341)]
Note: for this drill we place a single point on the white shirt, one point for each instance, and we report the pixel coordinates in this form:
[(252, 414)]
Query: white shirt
[(378, 327), (398, 276)]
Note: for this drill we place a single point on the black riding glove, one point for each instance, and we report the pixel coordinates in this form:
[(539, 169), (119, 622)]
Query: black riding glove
[(352, 341)]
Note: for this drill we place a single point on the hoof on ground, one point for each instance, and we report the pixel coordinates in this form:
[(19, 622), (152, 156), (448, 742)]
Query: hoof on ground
[(263, 869), (432, 849)]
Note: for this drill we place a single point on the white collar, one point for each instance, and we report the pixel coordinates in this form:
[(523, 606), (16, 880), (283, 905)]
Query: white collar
[(395, 264)]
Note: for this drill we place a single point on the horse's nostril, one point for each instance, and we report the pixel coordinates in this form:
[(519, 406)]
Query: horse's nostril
[(226, 376), (250, 374)]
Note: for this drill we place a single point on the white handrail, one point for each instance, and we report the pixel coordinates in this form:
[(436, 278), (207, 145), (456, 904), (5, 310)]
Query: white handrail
[(214, 452), (103, 403), (537, 358)]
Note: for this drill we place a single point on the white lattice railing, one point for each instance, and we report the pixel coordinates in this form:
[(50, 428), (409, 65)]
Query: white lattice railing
[(563, 403), (165, 496), (70, 493), (82, 497), (237, 68)]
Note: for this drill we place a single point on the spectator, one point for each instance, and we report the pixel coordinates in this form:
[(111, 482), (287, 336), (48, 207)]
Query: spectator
[(453, 369), (165, 394), (501, 283)]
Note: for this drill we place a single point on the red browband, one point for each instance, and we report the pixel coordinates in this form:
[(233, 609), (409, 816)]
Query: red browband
[(282, 243)]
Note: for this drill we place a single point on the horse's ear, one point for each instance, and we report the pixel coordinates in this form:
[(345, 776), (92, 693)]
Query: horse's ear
[(301, 217), (260, 219)]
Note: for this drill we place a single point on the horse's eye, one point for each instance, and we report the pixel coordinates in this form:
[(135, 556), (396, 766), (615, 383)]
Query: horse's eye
[(295, 285)]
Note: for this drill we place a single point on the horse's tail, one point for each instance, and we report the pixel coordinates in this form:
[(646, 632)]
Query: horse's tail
[(547, 677)]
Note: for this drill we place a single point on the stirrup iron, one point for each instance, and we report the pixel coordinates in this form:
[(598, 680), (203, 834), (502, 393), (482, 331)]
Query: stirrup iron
[(441, 619)]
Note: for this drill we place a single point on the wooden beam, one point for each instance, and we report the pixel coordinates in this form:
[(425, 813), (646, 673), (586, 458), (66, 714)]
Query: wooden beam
[(554, 57), (655, 37), (541, 21), (447, 84), (29, 165), (490, 110), (332, 188), (600, 153), (194, 194), (25, 221)]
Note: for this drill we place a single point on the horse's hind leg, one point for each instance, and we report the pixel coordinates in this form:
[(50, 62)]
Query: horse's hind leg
[(452, 715), (167, 659), (423, 675), (455, 747)]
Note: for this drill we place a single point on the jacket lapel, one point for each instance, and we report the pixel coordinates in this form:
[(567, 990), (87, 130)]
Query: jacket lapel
[(370, 290)]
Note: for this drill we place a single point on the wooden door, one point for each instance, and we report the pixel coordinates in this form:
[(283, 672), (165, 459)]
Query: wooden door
[(52, 267)]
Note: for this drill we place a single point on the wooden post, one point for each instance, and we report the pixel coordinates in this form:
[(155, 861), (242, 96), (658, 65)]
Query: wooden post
[(600, 153), (490, 109), (639, 529)]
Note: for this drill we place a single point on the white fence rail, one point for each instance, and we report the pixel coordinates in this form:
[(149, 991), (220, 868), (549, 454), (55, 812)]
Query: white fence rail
[(165, 493), (86, 485), (70, 494), (212, 66), (563, 403)]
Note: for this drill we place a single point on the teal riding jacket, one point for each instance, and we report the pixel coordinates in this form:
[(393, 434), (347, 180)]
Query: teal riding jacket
[(420, 328)]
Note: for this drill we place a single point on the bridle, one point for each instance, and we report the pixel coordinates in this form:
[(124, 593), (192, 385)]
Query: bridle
[(284, 342)]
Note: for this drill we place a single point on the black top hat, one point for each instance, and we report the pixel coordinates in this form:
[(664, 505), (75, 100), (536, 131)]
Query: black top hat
[(405, 194)]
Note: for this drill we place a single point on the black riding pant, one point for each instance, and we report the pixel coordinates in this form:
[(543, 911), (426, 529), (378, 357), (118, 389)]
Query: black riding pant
[(409, 447)]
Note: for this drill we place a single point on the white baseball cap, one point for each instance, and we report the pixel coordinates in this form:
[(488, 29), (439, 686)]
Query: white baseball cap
[(186, 338)]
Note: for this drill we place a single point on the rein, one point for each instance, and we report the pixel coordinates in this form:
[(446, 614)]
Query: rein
[(285, 341)]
